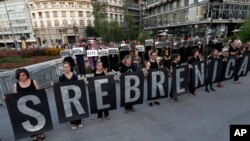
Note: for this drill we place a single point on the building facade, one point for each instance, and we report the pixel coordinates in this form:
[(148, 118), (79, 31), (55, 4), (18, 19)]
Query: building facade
[(58, 22), (193, 17), (15, 24)]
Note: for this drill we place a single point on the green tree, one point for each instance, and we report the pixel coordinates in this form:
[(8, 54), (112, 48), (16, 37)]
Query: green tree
[(131, 29), (90, 32), (244, 33), (143, 35)]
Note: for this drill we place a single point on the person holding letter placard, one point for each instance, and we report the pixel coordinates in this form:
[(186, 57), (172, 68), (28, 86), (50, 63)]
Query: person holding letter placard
[(70, 76), (176, 62), (153, 64), (137, 61), (127, 66), (213, 55), (24, 86), (223, 56), (113, 59), (100, 72), (195, 58), (166, 59)]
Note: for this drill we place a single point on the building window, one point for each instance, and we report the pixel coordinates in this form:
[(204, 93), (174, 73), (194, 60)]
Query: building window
[(48, 24), (80, 13), (45, 5), (63, 13), (80, 5), (116, 17), (35, 24), (81, 22), (47, 14), (72, 13), (89, 22), (31, 6), (111, 16), (57, 23), (41, 24), (40, 14), (65, 22), (62, 4), (34, 15), (88, 14), (55, 14), (53, 5), (88, 5), (121, 17), (71, 4)]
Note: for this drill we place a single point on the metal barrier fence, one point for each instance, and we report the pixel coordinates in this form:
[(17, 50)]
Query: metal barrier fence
[(44, 73)]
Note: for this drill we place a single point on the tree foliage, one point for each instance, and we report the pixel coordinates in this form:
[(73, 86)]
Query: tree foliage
[(244, 33)]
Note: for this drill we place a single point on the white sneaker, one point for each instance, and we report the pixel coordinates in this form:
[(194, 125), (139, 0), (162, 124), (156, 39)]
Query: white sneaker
[(100, 119), (107, 118), (73, 127), (80, 125)]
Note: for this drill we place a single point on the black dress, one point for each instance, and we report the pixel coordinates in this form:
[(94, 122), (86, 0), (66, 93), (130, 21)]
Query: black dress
[(124, 69), (63, 78), (113, 60), (191, 85), (173, 65), (27, 90), (106, 112)]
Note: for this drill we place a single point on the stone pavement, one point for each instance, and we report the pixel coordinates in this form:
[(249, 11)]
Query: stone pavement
[(205, 117)]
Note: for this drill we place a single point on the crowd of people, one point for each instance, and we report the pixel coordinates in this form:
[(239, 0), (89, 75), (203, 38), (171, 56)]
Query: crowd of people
[(132, 61)]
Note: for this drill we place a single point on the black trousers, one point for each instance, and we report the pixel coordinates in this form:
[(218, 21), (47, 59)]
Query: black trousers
[(128, 106), (191, 86), (237, 67), (100, 114), (76, 122)]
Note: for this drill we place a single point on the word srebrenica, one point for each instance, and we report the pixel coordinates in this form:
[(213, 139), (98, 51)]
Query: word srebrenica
[(30, 113)]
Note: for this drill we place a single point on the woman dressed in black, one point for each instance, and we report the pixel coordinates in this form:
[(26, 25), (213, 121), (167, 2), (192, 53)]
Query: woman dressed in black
[(167, 59), (195, 58), (100, 72), (176, 62), (104, 59), (234, 51), (127, 66), (153, 64), (70, 76), (25, 86), (223, 56), (113, 59), (213, 55)]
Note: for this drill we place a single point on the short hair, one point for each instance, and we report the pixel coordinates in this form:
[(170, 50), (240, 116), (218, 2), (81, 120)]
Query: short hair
[(127, 57), (98, 62), (22, 70), (175, 55), (152, 52), (194, 50)]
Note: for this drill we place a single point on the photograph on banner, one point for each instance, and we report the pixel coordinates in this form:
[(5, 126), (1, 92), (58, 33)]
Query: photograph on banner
[(103, 52), (149, 42), (66, 53), (198, 73), (214, 70), (125, 47), (113, 51), (78, 51), (132, 88), (102, 93), (230, 68), (140, 48), (92, 53), (29, 113), (180, 79), (71, 100), (243, 65), (157, 84)]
